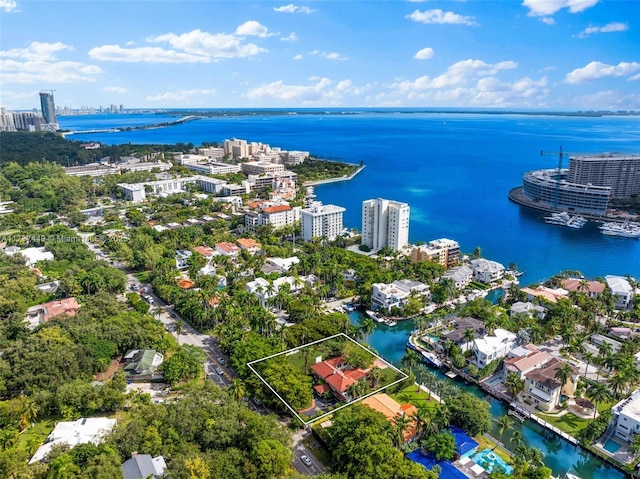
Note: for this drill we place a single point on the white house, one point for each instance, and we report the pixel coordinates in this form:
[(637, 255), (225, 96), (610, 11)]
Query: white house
[(621, 290), (489, 348), (261, 289), (395, 295), (460, 275), (72, 433), (31, 255), (282, 264), (542, 388), (181, 257), (626, 415), (486, 271), (529, 309)]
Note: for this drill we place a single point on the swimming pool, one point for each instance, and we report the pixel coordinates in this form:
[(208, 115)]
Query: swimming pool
[(490, 461), (611, 446)]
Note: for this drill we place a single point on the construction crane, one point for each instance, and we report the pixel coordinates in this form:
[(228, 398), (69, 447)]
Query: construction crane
[(561, 156)]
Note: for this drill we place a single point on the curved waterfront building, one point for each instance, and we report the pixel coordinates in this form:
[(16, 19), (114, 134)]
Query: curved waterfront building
[(541, 187)]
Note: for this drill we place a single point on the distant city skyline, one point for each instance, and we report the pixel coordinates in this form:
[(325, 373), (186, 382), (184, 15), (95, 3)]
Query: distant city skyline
[(530, 54)]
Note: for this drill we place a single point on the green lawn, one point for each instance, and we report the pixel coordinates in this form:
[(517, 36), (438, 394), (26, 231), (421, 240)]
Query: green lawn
[(413, 395), (486, 443), (34, 436), (569, 422), (143, 276)]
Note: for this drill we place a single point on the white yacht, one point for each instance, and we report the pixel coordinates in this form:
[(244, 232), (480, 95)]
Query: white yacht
[(626, 229), (565, 219)]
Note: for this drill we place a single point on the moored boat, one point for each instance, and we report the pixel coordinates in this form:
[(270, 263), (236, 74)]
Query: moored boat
[(625, 230)]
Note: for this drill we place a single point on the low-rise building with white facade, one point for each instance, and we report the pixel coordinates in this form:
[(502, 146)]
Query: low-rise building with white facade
[(443, 251), (282, 265), (31, 255), (182, 257), (395, 295), (486, 271), (524, 359), (213, 168), (261, 289), (322, 221), (528, 308), (490, 348), (621, 290), (626, 417), (261, 167), (460, 275)]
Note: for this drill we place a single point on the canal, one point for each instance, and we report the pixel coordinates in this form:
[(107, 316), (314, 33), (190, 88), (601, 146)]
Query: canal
[(559, 455)]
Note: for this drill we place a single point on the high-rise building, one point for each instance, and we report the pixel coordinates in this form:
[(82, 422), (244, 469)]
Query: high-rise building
[(385, 223), (322, 221), (620, 172), (48, 107)]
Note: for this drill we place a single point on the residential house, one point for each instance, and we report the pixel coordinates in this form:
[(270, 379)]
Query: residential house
[(542, 388), (524, 359), (282, 265), (249, 244), (486, 271), (550, 294), (31, 255), (460, 275), (490, 348), (626, 417), (72, 433), (456, 332), (42, 313), (592, 288), (528, 308), (206, 251), (350, 277), (141, 364), (396, 294), (391, 409), (261, 289), (338, 375), (227, 249), (182, 256), (143, 466), (621, 290)]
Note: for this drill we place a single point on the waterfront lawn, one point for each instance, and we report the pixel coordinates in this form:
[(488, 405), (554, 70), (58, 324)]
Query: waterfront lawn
[(486, 443), (415, 396), (570, 423)]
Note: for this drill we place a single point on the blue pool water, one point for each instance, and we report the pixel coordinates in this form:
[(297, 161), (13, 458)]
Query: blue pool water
[(490, 461), (611, 446)]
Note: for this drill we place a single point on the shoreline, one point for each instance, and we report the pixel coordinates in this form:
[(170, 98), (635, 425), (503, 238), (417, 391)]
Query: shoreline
[(334, 180)]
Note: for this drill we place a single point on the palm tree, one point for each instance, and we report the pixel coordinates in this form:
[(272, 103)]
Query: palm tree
[(400, 425), (374, 375), (598, 393), (564, 373), (517, 439), (425, 422), (367, 326), (28, 413), (237, 389), (410, 360), (588, 358), (514, 384), (469, 335), (504, 423), (178, 327), (62, 467)]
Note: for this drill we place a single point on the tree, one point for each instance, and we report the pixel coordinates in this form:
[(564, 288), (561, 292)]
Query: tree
[(470, 413), (598, 393), (564, 374), (441, 445), (62, 467), (237, 389), (504, 423), (272, 458), (186, 363), (410, 359), (367, 326), (514, 384)]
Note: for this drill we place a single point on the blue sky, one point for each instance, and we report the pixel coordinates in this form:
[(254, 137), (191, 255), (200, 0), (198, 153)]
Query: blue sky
[(547, 54)]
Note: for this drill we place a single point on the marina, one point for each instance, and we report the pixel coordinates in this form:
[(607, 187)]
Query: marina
[(565, 219), (626, 230)]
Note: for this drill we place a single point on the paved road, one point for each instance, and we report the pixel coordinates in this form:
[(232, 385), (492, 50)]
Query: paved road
[(299, 450)]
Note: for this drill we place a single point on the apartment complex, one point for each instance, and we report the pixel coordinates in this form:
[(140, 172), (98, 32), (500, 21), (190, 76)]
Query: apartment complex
[(385, 223), (621, 173), (275, 215), (48, 107), (322, 221), (443, 251)]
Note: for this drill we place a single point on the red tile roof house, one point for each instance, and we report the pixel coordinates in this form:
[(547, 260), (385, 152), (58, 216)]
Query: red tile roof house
[(206, 251), (338, 376), (249, 244), (227, 249), (44, 312)]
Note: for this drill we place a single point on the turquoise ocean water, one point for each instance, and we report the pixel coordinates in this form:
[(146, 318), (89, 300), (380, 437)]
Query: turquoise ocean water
[(455, 170)]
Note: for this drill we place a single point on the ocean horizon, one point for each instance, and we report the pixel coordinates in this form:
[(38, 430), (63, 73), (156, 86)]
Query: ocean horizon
[(454, 169)]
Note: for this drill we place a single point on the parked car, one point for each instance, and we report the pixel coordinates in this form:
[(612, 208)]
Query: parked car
[(222, 360), (219, 371), (306, 460)]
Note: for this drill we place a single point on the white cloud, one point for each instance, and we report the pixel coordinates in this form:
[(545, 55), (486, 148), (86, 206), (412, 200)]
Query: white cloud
[(548, 20), (608, 100), (543, 8), (460, 73), (298, 57), (218, 45), (424, 54), (329, 55), (291, 8), (608, 28), (195, 46), (115, 53), (253, 28), (292, 37), (39, 63), (438, 16), (179, 96), (115, 89), (322, 91), (595, 70), (8, 5)]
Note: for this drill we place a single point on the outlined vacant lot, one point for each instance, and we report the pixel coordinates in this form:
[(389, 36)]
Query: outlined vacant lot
[(303, 357)]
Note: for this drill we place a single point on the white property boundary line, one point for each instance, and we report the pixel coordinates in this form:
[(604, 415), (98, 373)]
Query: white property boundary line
[(298, 349)]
